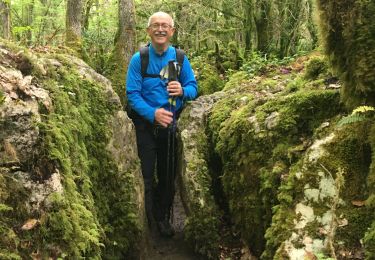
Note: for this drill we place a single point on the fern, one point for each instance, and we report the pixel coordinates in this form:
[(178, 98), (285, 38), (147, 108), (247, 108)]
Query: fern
[(360, 114), (351, 119)]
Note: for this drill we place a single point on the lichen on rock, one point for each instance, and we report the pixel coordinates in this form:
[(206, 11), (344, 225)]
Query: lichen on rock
[(323, 186)]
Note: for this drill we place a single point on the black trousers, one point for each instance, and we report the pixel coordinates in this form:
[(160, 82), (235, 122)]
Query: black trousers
[(153, 143)]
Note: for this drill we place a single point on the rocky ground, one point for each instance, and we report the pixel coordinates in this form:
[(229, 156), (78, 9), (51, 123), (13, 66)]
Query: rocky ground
[(174, 248)]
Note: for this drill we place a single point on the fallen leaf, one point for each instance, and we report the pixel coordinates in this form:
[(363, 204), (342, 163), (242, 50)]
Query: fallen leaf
[(343, 222), (322, 231), (30, 224), (358, 203)]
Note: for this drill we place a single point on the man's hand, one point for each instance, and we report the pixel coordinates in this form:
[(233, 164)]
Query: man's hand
[(163, 117), (175, 89)]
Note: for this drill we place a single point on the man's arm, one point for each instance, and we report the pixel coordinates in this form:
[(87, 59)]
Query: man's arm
[(134, 90)]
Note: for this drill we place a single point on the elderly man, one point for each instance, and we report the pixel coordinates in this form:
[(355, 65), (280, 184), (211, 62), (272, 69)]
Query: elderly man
[(156, 101)]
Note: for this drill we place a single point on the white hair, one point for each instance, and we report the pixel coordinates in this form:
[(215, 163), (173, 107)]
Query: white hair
[(160, 14)]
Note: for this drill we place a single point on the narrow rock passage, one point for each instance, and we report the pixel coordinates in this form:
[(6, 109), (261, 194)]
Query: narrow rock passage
[(174, 248)]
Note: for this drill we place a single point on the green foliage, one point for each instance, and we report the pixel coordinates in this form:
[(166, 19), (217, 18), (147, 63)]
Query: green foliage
[(98, 38), (18, 31), (348, 31), (38, 23), (207, 76), (256, 63)]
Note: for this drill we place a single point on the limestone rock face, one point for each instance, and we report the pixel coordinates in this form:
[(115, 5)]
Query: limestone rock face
[(68, 161), (293, 181), (195, 181), (329, 216)]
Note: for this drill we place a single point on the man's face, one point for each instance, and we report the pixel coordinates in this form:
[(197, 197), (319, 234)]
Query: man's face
[(160, 30)]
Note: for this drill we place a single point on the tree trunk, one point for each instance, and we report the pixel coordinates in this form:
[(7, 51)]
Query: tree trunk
[(125, 45), (177, 18), (29, 13), (73, 24), (264, 28), (291, 18), (5, 19), (86, 14), (249, 25)]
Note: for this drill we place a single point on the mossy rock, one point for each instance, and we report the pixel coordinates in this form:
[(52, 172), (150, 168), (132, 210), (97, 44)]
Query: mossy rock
[(236, 79), (203, 216), (245, 131), (318, 198), (10, 212), (87, 189), (261, 138)]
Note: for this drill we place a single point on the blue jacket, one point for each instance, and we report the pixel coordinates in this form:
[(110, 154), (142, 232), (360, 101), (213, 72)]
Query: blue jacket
[(148, 94)]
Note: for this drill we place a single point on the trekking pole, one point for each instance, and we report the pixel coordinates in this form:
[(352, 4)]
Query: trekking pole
[(172, 76)]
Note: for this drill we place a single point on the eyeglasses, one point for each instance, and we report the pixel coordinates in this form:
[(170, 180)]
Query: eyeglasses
[(163, 26)]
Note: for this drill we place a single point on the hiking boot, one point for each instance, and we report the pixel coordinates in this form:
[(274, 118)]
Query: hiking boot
[(165, 228)]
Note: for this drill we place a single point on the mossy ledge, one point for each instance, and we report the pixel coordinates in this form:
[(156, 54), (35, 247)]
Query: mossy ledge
[(80, 184)]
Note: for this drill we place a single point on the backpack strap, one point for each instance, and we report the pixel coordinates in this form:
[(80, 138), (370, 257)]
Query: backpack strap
[(145, 57), (180, 55)]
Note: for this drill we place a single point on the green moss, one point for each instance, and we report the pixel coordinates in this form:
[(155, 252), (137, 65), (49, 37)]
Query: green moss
[(245, 134), (315, 68), (236, 79), (296, 84), (207, 77), (260, 143), (359, 220), (269, 84), (95, 216), (12, 212), (96, 193), (202, 224), (369, 238), (348, 31), (201, 230), (352, 154)]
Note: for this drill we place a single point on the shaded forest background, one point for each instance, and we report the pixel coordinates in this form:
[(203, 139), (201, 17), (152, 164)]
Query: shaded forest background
[(228, 35)]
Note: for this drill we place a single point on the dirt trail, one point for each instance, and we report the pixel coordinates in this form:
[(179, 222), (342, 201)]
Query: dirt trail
[(174, 248)]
